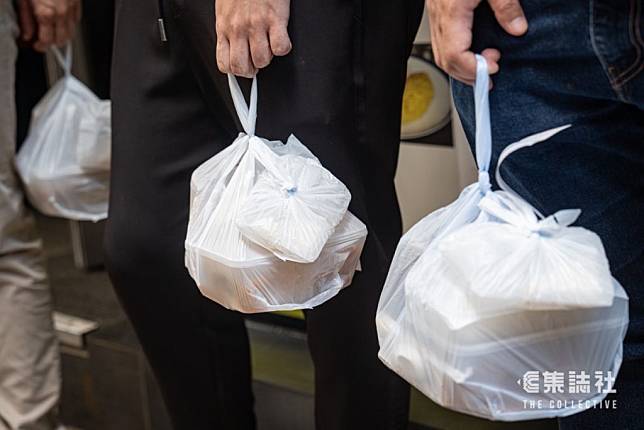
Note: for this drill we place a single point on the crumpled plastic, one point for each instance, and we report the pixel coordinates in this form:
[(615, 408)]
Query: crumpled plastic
[(64, 161), (240, 248), (487, 290), (295, 204)]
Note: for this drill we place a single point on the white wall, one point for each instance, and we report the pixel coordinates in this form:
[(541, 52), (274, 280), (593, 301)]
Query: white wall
[(432, 176)]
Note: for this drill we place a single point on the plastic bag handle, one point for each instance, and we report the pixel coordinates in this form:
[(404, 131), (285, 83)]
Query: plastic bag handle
[(248, 117), (247, 114), (523, 143), (267, 158), (64, 61), (483, 134), (483, 137)]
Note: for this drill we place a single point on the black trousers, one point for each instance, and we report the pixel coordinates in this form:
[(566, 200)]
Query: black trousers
[(339, 91)]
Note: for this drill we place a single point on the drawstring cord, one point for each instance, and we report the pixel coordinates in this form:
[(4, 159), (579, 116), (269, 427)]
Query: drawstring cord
[(161, 22)]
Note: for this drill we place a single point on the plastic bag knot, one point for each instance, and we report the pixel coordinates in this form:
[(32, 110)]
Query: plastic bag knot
[(289, 190), (484, 182)]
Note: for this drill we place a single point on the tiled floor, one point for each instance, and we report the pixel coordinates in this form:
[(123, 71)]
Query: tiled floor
[(108, 384)]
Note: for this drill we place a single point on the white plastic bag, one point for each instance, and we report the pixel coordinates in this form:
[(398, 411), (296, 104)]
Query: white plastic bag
[(64, 162), (94, 148), (236, 271), (509, 259), (499, 367), (391, 306), (466, 343), (527, 263), (293, 208)]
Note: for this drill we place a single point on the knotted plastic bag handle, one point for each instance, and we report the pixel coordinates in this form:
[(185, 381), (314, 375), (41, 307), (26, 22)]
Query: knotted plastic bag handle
[(247, 114), (521, 212), (64, 60), (483, 135)]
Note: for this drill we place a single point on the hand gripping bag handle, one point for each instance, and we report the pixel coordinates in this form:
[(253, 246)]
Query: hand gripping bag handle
[(64, 60)]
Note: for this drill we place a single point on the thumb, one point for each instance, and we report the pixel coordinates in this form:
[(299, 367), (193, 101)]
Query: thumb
[(510, 15)]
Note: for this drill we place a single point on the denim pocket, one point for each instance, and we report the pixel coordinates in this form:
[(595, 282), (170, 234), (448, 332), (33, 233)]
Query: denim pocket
[(616, 31)]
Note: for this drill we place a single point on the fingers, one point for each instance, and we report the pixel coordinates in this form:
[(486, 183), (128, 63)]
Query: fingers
[(77, 11), (260, 50), (73, 17), (464, 69), (510, 15), (451, 24), (223, 54), (249, 37), (492, 56), (56, 21), (61, 29), (240, 61), (45, 14), (45, 35), (280, 42), (451, 32), (26, 20)]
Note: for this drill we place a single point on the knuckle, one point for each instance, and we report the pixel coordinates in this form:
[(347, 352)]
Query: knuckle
[(450, 58), (256, 21), (452, 9), (45, 15), (274, 20), (507, 7), (237, 67), (237, 27), (261, 60)]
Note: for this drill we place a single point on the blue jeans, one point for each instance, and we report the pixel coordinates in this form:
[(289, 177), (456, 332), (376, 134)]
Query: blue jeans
[(581, 62)]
